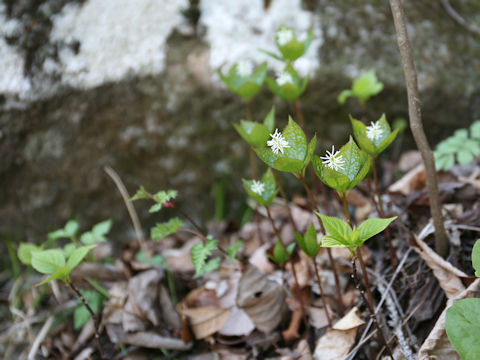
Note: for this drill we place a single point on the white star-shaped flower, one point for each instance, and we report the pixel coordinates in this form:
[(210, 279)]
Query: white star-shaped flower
[(374, 131), (278, 142), (257, 187), (245, 68), (284, 78), (284, 36), (333, 159)]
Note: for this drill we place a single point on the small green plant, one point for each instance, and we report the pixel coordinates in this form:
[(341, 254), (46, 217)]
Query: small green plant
[(363, 88), (281, 253), (243, 80), (463, 146), (290, 45), (288, 85), (462, 319), (342, 170), (200, 252), (376, 137), (264, 191), (288, 150)]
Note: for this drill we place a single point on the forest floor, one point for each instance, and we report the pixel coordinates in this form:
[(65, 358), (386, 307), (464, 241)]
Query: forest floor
[(252, 308)]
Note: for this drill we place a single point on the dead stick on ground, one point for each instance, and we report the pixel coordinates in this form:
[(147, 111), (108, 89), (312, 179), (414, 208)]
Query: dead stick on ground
[(414, 112), (131, 209)]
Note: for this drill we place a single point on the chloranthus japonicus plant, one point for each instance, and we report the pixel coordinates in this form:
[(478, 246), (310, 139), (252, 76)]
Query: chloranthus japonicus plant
[(290, 45), (374, 138), (288, 85), (363, 88), (244, 80), (254, 133)]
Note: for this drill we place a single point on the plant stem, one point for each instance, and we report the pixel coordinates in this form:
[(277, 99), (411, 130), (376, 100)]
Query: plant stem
[(368, 302), (284, 196), (322, 295), (338, 287), (249, 110), (297, 285), (414, 112), (297, 106), (346, 210), (377, 185), (93, 315), (381, 212)]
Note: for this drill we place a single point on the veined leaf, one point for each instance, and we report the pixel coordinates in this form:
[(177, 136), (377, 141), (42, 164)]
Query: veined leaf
[(336, 227), (48, 261), (25, 250), (77, 256), (140, 194), (162, 230), (371, 227), (59, 274), (200, 252), (476, 258), (232, 250), (280, 255)]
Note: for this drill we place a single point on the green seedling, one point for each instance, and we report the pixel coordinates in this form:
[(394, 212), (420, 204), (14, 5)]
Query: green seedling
[(232, 250), (200, 253), (363, 88), (462, 319), (97, 234), (342, 170), (264, 191), (288, 150), (243, 80), (341, 234), (290, 46), (69, 231), (281, 254), (462, 146), (376, 137), (288, 85), (254, 133), (162, 230)]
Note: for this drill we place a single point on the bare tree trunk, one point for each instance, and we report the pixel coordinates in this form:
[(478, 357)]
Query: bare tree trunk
[(414, 112)]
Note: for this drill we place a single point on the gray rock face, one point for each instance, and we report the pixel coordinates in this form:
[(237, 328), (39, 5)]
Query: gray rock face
[(157, 114)]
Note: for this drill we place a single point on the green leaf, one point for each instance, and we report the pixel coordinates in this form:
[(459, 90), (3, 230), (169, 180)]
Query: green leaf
[(24, 252), (156, 260), (253, 133), (162, 197), (61, 273), (366, 86), (330, 177), (351, 156), (68, 249), (463, 327), (336, 227), (232, 250), (77, 256), (199, 254), (366, 162), (71, 228), (211, 265), (371, 227), (310, 150), (476, 258), (280, 255), (57, 234), (48, 261), (269, 121), (289, 165), (162, 230), (297, 141), (330, 241), (245, 86), (343, 96), (309, 243), (475, 130), (387, 141), (293, 49), (102, 228), (88, 238), (464, 157), (291, 90), (140, 194), (81, 314)]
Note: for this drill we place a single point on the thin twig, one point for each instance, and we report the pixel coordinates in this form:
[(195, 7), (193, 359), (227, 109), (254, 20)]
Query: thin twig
[(131, 209), (285, 198), (93, 315), (322, 294), (459, 19), (414, 112), (39, 338), (297, 106)]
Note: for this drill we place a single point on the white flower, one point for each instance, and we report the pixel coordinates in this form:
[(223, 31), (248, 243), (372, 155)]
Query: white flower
[(284, 36), (278, 142), (374, 131), (333, 159), (257, 187), (245, 68), (284, 78)]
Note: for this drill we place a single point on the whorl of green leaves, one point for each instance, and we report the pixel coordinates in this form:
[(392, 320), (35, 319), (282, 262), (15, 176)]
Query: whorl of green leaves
[(355, 167), (296, 157), (379, 143), (245, 86), (363, 88), (269, 192), (281, 254), (290, 90), (342, 235)]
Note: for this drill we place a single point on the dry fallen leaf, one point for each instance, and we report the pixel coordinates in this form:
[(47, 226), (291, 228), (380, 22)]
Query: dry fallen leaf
[(317, 316), (415, 179), (262, 299), (336, 342), (447, 275), (202, 308)]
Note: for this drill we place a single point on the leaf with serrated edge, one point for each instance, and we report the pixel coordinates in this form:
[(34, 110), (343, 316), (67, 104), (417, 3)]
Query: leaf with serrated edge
[(24, 252), (351, 157), (372, 227), (336, 227), (311, 243), (102, 228), (59, 274), (330, 241), (269, 121), (48, 261)]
